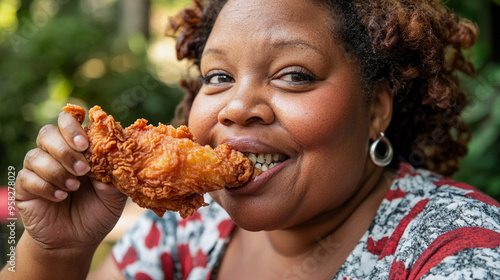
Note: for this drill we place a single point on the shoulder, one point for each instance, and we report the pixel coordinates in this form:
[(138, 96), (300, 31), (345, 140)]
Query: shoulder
[(174, 247), (442, 204), (426, 183), (444, 228)]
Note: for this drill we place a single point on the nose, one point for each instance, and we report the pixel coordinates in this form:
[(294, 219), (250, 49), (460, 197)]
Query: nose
[(246, 106)]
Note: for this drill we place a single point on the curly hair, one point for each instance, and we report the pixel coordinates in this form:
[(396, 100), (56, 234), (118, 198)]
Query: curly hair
[(415, 45)]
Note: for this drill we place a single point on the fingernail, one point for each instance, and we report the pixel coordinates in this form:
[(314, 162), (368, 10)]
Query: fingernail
[(80, 142), (72, 184), (60, 194), (81, 168)]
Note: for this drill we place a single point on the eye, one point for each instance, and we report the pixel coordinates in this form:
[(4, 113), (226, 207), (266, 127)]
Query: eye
[(294, 79), (216, 78), (298, 77)]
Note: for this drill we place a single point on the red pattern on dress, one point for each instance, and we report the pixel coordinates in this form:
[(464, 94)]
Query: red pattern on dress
[(153, 237), (167, 265), (395, 194), (450, 243), (188, 262), (142, 276), (475, 193), (225, 228), (195, 217), (130, 257), (393, 241), (376, 247)]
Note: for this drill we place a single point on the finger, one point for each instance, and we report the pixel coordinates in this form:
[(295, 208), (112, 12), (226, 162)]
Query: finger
[(104, 187), (50, 139), (30, 186), (50, 170), (109, 194), (72, 132), (107, 190)]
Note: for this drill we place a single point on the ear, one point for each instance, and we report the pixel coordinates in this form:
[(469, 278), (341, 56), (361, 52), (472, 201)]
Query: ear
[(380, 109)]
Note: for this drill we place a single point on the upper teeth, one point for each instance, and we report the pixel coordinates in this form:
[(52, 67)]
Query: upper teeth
[(265, 162)]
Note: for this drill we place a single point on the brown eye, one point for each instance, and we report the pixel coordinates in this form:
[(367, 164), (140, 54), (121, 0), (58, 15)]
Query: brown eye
[(216, 79), (294, 79), (219, 79), (298, 78)]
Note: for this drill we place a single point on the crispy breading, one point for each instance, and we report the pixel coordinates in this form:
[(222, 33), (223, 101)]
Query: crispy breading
[(161, 168)]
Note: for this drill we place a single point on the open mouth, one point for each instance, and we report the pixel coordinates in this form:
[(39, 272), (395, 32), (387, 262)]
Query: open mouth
[(264, 162)]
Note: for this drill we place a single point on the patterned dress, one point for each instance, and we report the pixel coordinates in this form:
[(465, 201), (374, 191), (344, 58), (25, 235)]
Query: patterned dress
[(427, 227)]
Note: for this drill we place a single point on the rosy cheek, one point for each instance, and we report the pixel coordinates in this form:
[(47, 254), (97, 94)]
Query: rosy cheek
[(319, 120), (202, 117), (195, 122)]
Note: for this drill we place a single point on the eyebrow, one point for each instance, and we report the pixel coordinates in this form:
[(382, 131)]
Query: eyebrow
[(295, 43), (279, 44), (213, 51)]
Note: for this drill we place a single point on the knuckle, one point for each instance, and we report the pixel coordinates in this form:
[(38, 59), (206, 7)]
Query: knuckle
[(65, 153), (21, 179), (44, 133), (63, 124), (27, 181), (68, 124), (56, 173), (31, 155)]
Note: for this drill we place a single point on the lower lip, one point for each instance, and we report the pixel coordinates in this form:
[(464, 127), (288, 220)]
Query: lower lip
[(259, 182)]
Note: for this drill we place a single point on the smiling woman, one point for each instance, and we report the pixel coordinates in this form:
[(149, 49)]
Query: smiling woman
[(278, 98), (328, 99)]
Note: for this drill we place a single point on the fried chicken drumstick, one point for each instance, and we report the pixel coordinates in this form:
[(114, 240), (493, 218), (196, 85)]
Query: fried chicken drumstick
[(161, 168)]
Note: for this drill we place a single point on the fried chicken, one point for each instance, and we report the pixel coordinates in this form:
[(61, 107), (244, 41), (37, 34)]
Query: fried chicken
[(161, 168)]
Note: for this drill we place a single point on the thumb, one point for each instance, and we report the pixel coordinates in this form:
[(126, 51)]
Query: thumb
[(109, 194)]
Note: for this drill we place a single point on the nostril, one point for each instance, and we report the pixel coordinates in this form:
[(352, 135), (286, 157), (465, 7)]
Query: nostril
[(245, 121), (256, 120), (226, 122), (248, 121), (238, 113)]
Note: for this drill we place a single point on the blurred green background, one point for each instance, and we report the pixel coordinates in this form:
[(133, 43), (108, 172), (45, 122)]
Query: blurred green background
[(114, 53)]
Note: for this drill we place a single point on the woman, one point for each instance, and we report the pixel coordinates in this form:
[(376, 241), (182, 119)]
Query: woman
[(348, 93)]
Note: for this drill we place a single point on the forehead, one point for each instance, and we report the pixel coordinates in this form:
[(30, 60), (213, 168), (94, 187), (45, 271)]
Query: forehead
[(274, 20)]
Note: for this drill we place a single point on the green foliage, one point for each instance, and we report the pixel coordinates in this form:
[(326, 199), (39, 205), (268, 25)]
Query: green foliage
[(482, 165)]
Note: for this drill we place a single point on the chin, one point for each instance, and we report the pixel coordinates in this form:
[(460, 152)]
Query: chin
[(255, 214)]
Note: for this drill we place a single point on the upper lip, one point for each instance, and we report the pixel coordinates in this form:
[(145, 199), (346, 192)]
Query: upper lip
[(252, 145)]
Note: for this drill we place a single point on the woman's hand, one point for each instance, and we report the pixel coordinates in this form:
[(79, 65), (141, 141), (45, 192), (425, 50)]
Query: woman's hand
[(61, 207)]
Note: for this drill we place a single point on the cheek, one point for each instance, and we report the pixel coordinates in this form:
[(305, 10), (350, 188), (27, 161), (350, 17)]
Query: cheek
[(202, 118), (328, 120), (333, 133)]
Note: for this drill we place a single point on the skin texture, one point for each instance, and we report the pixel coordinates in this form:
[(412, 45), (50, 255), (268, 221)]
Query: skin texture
[(258, 97)]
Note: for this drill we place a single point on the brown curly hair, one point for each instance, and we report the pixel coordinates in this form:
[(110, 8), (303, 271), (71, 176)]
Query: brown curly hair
[(414, 45)]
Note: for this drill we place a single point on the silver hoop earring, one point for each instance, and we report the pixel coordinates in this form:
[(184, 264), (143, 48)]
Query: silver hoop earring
[(381, 160)]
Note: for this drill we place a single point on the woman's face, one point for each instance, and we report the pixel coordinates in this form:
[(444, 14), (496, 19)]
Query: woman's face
[(275, 82)]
